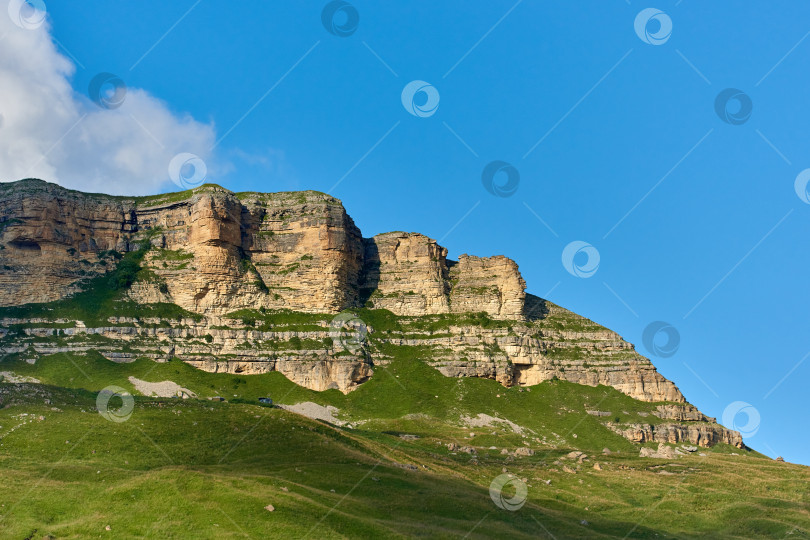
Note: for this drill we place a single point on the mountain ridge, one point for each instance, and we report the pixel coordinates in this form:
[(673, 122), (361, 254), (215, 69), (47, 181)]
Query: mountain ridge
[(232, 264)]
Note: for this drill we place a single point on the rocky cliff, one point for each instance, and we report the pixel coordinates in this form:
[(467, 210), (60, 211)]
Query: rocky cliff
[(253, 281), (217, 252)]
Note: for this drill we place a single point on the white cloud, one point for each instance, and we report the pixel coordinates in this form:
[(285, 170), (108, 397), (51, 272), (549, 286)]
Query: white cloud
[(49, 131)]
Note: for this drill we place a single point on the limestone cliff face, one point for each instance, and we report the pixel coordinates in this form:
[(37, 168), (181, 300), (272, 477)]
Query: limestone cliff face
[(406, 274), (489, 284), (220, 253), (214, 252), (409, 274), (51, 239), (701, 434)]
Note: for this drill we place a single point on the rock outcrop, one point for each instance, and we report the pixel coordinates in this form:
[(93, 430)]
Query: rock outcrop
[(700, 434), (53, 238), (217, 254), (492, 285), (406, 274), (409, 274)]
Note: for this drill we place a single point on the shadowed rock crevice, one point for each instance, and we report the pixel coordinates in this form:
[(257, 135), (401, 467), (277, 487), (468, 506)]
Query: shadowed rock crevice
[(535, 308)]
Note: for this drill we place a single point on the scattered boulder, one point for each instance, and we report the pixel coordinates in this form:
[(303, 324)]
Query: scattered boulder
[(452, 446), (270, 508), (568, 469), (663, 451), (597, 466), (524, 452)]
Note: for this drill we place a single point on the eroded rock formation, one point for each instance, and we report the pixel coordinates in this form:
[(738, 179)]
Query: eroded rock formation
[(214, 252)]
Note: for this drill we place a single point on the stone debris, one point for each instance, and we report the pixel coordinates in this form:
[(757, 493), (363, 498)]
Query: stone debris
[(164, 389), (9, 377), (315, 411)]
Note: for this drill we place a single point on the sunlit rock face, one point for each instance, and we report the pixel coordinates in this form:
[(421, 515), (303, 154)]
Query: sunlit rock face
[(214, 252)]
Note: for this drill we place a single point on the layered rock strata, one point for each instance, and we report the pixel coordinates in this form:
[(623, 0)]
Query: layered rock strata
[(214, 253), (700, 434), (218, 251)]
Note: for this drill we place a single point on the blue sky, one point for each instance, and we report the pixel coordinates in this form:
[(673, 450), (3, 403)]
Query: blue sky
[(616, 141)]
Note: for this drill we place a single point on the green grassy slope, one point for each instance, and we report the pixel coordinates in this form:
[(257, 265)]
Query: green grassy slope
[(202, 469)]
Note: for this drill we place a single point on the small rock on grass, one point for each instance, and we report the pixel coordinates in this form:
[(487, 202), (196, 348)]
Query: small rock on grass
[(270, 508)]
